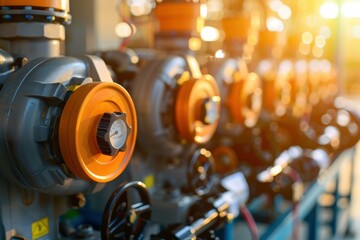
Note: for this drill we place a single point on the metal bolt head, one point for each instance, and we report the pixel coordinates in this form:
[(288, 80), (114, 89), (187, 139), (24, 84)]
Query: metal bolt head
[(78, 200), (85, 230), (21, 61)]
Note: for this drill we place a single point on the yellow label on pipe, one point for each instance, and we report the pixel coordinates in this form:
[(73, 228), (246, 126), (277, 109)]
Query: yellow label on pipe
[(40, 228)]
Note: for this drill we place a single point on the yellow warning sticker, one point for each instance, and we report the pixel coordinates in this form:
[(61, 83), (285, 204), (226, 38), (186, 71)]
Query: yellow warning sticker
[(40, 228), (149, 181)]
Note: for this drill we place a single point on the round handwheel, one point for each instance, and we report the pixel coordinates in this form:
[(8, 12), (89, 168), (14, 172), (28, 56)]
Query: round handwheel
[(199, 172), (124, 218)]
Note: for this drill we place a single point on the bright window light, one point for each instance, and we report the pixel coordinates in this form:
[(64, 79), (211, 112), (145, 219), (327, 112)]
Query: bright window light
[(301, 66), (214, 5), (325, 31), (320, 41), (329, 10), (274, 24), (284, 12), (351, 10), (317, 52), (355, 31), (210, 34), (325, 65), (307, 38), (203, 10), (124, 29), (194, 44), (140, 7), (275, 5), (219, 54)]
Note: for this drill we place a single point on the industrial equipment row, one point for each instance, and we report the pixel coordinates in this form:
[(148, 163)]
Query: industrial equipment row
[(160, 143)]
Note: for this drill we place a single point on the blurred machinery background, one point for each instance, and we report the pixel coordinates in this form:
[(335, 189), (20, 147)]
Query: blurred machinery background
[(178, 119)]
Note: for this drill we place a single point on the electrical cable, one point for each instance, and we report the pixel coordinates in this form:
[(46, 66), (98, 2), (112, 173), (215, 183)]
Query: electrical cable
[(126, 40), (249, 219), (125, 16)]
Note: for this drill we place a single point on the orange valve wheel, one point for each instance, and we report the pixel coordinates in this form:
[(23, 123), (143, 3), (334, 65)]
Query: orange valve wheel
[(245, 100), (97, 131), (197, 109)]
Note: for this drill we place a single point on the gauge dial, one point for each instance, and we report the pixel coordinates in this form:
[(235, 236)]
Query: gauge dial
[(118, 134), (112, 133)]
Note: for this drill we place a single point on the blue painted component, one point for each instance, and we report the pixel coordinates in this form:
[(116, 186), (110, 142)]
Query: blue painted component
[(334, 207), (312, 220), (277, 225), (348, 231), (227, 232), (258, 203), (6, 17), (28, 17), (50, 18)]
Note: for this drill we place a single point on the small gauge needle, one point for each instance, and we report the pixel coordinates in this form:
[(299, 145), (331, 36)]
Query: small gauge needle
[(116, 132)]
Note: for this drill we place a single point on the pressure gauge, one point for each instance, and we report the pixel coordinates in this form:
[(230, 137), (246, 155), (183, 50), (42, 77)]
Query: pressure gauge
[(112, 133), (118, 132)]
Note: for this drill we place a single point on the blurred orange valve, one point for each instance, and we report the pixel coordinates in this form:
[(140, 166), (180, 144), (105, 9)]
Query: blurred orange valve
[(197, 109), (244, 100)]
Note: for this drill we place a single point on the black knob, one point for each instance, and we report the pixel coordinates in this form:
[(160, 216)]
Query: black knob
[(112, 133)]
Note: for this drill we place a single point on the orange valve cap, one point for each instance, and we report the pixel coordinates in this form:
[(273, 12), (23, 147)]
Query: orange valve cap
[(245, 100), (56, 4), (178, 16), (97, 131)]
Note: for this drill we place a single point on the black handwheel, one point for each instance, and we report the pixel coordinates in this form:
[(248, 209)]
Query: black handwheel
[(124, 217), (200, 171)]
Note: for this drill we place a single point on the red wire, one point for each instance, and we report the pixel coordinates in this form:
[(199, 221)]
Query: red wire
[(126, 40), (249, 219)]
